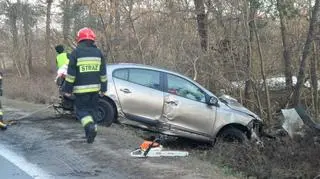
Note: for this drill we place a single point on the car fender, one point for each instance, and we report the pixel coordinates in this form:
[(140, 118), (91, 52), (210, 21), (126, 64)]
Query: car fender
[(228, 117)]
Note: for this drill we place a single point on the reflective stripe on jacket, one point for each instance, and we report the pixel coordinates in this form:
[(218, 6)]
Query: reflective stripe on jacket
[(86, 70)]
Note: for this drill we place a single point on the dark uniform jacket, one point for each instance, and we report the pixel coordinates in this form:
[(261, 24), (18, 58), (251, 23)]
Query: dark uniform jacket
[(86, 70)]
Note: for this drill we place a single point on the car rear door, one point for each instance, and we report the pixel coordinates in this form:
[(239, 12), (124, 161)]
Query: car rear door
[(140, 94), (185, 106)]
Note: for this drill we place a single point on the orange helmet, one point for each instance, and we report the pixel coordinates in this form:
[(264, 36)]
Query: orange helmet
[(85, 34)]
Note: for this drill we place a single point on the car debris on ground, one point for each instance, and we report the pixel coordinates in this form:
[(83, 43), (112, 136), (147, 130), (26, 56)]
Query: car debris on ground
[(296, 120), (292, 123)]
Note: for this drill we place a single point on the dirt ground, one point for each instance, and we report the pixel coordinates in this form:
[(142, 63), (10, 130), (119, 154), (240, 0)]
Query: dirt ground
[(57, 145)]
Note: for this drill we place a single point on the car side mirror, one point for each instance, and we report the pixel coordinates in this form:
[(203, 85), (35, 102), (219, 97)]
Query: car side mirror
[(212, 101)]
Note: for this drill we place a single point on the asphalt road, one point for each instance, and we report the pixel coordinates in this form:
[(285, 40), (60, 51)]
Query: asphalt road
[(44, 147), (15, 166), (10, 170)]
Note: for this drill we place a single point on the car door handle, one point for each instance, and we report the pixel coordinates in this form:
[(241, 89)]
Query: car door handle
[(125, 90), (174, 102)]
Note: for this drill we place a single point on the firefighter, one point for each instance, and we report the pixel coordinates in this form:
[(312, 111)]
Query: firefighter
[(3, 126), (86, 79)]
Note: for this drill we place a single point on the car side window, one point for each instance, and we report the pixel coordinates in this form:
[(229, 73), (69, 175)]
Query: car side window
[(148, 78), (121, 74), (184, 88)]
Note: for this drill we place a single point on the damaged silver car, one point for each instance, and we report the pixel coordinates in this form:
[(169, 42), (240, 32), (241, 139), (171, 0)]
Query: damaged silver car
[(172, 104)]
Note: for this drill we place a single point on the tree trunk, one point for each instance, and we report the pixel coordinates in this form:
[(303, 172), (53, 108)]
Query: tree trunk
[(135, 34), (248, 19), (237, 74), (117, 21), (305, 53), (286, 49), (66, 20), (27, 48), (269, 115), (257, 96), (202, 24), (47, 39), (105, 43), (314, 79), (115, 52), (15, 44)]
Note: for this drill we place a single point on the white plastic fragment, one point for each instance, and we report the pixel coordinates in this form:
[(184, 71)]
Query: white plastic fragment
[(293, 123)]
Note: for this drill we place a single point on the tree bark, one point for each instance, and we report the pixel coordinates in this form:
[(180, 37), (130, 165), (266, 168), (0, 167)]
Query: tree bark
[(117, 21), (263, 74), (27, 48), (314, 79), (13, 17), (248, 19), (305, 54), (286, 49), (135, 34), (47, 39), (202, 24), (66, 20)]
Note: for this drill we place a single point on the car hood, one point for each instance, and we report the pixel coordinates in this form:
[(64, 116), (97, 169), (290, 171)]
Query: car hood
[(235, 105)]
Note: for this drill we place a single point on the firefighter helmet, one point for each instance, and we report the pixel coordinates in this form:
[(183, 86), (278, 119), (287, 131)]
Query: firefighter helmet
[(86, 34)]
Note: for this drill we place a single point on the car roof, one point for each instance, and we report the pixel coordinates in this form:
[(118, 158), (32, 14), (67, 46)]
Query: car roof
[(115, 66), (137, 65)]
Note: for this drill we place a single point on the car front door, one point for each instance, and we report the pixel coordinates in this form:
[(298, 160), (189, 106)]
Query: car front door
[(140, 94), (185, 106)]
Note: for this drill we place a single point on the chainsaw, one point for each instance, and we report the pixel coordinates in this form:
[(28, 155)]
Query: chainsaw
[(155, 149)]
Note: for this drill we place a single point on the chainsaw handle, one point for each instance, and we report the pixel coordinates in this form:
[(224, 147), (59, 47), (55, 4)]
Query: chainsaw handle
[(148, 149), (150, 146)]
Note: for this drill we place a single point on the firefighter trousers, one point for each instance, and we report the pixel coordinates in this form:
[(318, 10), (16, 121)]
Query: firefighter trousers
[(86, 107)]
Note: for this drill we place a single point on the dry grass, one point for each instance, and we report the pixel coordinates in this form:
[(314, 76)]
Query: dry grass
[(40, 88), (281, 158)]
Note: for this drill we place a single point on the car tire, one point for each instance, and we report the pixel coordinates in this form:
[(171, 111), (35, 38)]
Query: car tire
[(106, 113), (232, 134)]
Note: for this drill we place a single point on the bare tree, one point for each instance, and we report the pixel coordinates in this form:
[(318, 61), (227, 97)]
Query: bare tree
[(27, 21), (12, 13), (314, 79), (48, 29), (281, 6), (263, 74), (248, 18), (66, 19), (202, 23), (305, 53)]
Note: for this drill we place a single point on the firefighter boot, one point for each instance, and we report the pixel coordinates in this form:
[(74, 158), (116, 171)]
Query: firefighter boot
[(91, 132)]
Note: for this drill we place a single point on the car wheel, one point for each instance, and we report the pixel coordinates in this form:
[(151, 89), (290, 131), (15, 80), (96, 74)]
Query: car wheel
[(106, 113), (233, 135)]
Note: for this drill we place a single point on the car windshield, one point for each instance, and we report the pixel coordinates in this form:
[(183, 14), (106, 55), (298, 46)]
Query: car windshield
[(229, 100)]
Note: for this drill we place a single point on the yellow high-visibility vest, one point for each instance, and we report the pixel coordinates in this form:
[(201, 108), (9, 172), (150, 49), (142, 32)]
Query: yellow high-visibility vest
[(62, 59)]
